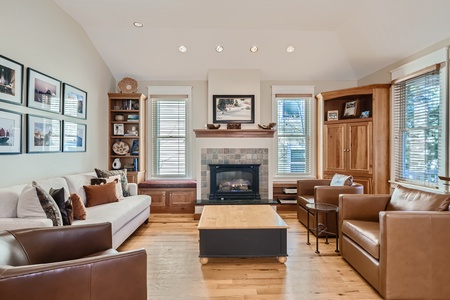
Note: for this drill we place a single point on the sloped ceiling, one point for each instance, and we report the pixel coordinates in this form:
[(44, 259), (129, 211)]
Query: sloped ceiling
[(333, 39)]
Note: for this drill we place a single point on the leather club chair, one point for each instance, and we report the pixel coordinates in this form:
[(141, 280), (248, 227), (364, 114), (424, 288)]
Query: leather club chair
[(320, 191), (70, 262)]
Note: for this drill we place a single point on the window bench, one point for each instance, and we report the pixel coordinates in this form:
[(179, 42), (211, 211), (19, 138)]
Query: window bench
[(170, 196)]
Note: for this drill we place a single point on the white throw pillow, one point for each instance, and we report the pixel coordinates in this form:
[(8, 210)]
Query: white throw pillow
[(28, 205), (119, 191), (341, 180)]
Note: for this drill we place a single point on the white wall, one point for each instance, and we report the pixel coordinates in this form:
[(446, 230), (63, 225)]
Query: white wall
[(39, 35)]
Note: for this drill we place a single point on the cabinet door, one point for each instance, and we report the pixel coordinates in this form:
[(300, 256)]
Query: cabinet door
[(182, 200), (158, 197), (366, 182), (359, 147), (333, 148)]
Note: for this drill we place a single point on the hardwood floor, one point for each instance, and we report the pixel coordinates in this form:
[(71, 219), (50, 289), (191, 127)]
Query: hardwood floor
[(174, 271)]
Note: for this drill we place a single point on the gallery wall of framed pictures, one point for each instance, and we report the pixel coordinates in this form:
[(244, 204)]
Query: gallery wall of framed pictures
[(65, 131)]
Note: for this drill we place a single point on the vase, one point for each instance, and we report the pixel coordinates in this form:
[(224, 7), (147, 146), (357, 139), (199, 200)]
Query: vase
[(116, 164)]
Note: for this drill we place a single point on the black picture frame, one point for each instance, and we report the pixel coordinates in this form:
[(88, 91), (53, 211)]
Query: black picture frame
[(43, 92), (11, 81), (11, 128), (234, 109), (74, 137), (43, 134), (75, 102)]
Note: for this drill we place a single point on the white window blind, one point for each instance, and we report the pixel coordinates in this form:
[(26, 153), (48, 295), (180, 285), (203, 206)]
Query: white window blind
[(169, 134), (293, 134), (418, 124)]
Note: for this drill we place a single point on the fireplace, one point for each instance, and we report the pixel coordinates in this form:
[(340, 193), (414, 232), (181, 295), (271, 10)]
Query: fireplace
[(234, 181)]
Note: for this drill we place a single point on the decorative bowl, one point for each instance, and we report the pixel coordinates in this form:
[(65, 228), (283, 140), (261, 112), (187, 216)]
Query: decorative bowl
[(213, 126), (119, 117), (121, 148)]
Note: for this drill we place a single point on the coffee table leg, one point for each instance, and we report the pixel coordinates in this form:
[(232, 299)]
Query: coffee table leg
[(282, 259), (203, 260)]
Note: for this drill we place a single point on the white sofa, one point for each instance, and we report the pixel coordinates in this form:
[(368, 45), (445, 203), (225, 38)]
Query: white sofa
[(126, 215)]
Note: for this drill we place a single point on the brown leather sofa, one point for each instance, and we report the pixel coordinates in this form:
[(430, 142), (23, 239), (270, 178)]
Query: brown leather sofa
[(320, 191), (399, 243), (70, 262)]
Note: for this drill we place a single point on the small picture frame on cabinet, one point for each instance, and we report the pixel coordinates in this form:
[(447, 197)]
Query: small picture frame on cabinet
[(119, 129), (351, 109), (332, 115)]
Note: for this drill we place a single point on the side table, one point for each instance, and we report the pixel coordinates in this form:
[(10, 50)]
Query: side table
[(322, 228)]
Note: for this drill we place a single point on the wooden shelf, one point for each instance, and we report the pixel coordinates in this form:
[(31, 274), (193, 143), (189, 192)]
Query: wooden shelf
[(234, 133)]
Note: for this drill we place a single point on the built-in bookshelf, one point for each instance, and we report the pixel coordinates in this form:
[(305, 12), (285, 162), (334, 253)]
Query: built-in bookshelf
[(127, 139)]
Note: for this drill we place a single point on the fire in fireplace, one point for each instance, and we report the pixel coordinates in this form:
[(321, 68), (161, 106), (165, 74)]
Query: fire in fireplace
[(234, 181)]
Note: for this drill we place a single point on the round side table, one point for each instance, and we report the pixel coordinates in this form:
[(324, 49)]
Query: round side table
[(322, 228)]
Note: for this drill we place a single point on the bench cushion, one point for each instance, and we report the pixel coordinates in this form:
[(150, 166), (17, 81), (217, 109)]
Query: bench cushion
[(364, 233)]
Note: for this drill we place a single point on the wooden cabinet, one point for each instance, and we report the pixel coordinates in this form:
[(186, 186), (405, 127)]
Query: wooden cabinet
[(356, 146), (127, 124), (171, 200)]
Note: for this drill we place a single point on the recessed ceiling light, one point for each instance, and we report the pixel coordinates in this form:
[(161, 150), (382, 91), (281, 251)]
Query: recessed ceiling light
[(138, 24), (254, 49), (182, 49), (290, 49), (219, 48)]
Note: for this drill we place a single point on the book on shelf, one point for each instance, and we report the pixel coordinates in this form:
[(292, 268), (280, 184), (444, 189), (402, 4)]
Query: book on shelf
[(290, 191)]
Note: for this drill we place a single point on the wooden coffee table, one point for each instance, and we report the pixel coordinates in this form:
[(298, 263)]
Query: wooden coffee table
[(242, 231)]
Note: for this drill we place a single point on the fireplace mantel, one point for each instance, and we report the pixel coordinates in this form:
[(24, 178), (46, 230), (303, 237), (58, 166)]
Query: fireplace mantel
[(234, 133)]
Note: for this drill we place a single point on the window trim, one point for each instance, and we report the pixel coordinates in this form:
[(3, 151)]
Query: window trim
[(413, 69), (171, 91), (295, 90)]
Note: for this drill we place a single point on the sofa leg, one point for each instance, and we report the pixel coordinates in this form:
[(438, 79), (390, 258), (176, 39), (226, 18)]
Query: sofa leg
[(146, 221)]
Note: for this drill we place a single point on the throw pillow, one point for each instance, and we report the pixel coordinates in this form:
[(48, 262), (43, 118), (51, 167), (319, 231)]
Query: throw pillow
[(341, 180), (59, 197), (100, 194), (123, 178), (116, 178), (404, 198), (69, 209), (79, 210), (49, 205)]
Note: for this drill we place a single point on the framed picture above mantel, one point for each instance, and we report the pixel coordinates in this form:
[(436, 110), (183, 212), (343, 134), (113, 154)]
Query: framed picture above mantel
[(234, 108)]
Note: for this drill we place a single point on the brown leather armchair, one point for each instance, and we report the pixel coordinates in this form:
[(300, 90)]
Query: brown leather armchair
[(70, 262), (398, 246), (320, 191)]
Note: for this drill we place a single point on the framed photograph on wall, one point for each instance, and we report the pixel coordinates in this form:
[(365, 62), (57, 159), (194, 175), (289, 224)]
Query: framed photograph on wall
[(44, 92), (351, 109), (74, 137), (43, 134), (75, 102), (10, 132), (233, 108), (11, 81)]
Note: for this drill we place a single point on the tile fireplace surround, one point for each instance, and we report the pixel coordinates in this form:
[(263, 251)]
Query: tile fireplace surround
[(234, 147), (235, 156)]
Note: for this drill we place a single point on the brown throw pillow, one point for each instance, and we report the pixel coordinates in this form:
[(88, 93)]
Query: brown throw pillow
[(100, 194), (79, 210)]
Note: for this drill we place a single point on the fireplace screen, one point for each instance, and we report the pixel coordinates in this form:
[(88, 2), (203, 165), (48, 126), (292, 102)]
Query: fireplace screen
[(234, 181)]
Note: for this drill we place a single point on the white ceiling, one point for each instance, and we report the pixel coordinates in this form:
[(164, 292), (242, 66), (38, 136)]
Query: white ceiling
[(333, 39)]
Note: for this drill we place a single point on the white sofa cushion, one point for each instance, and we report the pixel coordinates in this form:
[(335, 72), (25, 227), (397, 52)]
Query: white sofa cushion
[(75, 183), (24, 223), (117, 213), (8, 201)]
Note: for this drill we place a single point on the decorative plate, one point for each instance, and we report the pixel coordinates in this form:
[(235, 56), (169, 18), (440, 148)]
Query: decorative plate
[(121, 148), (127, 85)]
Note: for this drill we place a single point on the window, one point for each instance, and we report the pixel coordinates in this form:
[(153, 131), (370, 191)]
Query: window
[(419, 143), (170, 138), (294, 127)]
